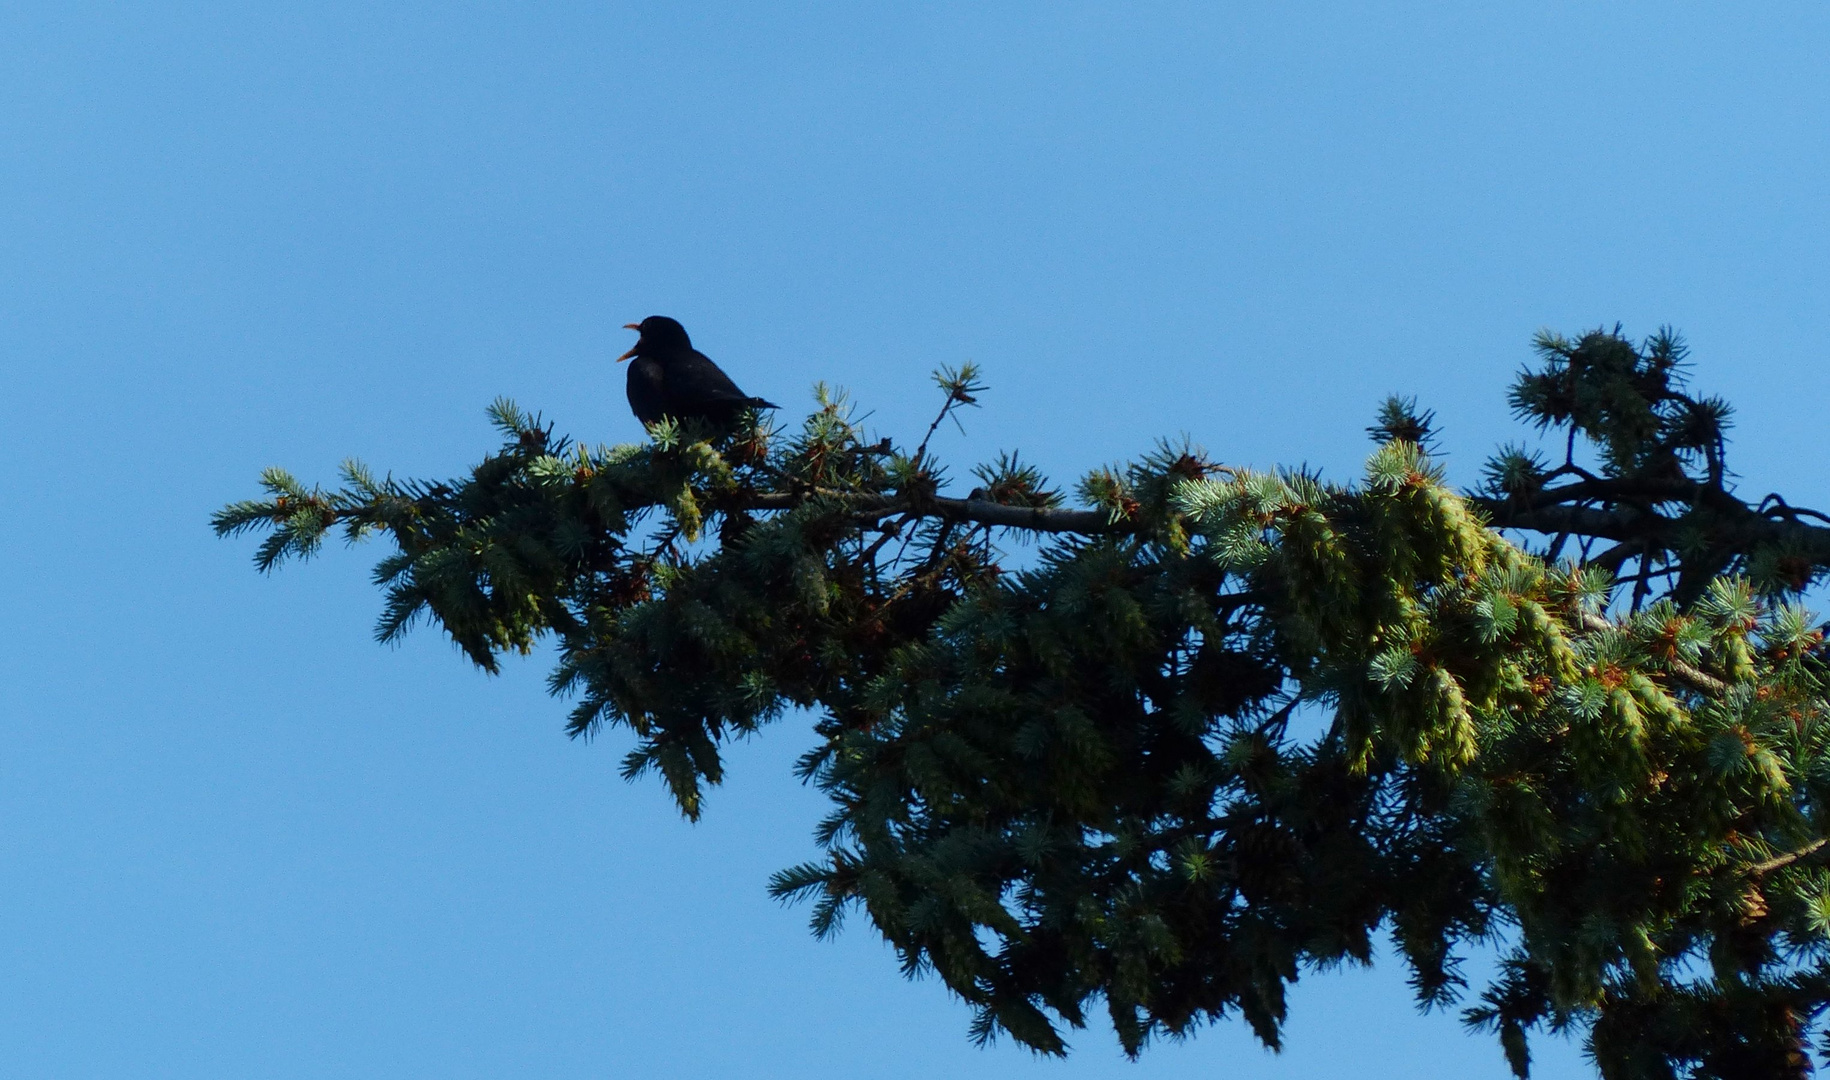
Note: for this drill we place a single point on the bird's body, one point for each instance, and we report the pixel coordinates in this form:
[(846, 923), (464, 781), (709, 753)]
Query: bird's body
[(668, 378)]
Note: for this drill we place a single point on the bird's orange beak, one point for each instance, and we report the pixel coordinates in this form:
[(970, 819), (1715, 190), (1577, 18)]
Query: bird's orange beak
[(637, 327)]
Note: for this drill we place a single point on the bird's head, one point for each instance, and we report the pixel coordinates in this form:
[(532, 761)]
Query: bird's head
[(660, 337)]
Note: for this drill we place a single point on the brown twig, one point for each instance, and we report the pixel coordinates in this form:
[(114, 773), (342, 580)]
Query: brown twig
[(1779, 862), (1696, 677)]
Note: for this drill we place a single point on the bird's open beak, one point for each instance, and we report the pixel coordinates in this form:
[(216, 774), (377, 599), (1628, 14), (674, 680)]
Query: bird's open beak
[(637, 327)]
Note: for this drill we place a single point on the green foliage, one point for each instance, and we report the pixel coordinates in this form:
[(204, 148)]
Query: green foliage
[(1659, 494), (1225, 727), (1626, 399)]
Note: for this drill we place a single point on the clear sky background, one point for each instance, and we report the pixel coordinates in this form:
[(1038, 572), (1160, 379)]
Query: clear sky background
[(240, 839)]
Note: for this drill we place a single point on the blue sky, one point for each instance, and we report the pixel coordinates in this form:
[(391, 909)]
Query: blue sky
[(239, 839)]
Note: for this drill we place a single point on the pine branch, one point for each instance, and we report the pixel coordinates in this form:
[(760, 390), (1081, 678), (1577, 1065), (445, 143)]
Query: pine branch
[(976, 511), (1780, 862), (1695, 677), (1061, 782)]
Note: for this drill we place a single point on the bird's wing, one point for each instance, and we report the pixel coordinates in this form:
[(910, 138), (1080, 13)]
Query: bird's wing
[(696, 375)]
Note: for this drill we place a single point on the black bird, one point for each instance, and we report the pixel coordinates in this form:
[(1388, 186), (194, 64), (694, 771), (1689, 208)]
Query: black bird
[(670, 378)]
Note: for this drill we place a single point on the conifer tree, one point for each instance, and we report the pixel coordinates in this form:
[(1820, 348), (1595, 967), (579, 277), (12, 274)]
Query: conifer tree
[(1219, 727)]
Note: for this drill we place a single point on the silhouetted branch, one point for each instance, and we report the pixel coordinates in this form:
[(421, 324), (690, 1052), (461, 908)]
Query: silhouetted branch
[(977, 511)]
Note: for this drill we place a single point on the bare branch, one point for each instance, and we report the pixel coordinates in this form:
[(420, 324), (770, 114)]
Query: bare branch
[(1780, 862), (1695, 677), (978, 511), (1741, 527)]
